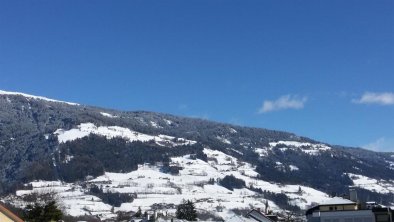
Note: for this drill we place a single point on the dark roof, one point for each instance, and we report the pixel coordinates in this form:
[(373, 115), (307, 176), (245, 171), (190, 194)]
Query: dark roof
[(250, 214), (311, 210), (381, 209), (272, 217), (9, 214)]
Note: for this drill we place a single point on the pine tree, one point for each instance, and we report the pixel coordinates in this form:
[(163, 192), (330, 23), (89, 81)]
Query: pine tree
[(145, 214), (46, 213), (299, 190), (186, 211), (138, 213), (152, 218)]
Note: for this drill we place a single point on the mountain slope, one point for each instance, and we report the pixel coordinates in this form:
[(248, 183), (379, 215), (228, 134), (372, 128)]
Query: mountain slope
[(45, 139)]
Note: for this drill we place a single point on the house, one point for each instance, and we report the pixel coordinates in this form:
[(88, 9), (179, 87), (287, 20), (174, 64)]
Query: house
[(383, 214), (252, 216), (237, 218), (338, 209), (258, 216), (7, 216)]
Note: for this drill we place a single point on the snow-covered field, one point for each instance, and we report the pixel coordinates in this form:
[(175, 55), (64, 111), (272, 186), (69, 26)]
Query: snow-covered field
[(85, 129), (155, 187), (379, 186), (308, 148), (108, 115)]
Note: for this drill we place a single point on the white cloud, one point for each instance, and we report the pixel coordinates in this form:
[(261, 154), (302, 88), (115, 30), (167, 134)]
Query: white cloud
[(381, 144), (283, 102), (385, 98)]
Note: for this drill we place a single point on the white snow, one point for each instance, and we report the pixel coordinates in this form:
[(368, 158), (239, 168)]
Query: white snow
[(34, 97), (68, 158), (237, 151), (223, 139), (40, 183), (262, 152), (168, 122), (232, 130), (155, 125), (153, 186), (108, 115), (379, 186), (293, 167), (391, 164), (85, 129), (337, 200), (308, 148)]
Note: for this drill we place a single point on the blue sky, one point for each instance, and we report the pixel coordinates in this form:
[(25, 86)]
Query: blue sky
[(321, 69)]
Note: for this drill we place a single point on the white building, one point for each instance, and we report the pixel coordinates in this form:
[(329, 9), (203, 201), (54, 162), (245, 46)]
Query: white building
[(338, 209)]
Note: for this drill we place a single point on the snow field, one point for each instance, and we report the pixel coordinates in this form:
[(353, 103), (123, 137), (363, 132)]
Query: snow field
[(379, 186), (108, 115), (85, 129), (308, 148), (154, 187)]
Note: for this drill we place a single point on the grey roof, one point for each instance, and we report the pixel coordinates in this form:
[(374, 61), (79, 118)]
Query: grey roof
[(337, 201), (258, 216), (236, 218)]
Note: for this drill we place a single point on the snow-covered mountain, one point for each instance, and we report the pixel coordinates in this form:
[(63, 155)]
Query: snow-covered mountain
[(87, 156)]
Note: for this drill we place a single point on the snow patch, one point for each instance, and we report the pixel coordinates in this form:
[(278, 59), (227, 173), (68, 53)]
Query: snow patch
[(108, 115), (85, 129), (68, 158), (308, 148), (223, 140), (155, 125), (293, 168), (379, 186), (168, 122), (262, 152), (237, 151), (232, 130)]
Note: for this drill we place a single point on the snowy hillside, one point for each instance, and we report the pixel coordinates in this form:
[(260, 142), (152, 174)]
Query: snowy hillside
[(375, 185), (155, 160), (153, 187)]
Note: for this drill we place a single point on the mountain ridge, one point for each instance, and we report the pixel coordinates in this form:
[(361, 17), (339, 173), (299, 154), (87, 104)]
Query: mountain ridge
[(5, 93), (99, 141)]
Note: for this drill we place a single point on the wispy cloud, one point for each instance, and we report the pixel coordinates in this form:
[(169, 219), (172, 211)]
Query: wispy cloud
[(183, 106), (385, 98), (283, 102), (381, 144)]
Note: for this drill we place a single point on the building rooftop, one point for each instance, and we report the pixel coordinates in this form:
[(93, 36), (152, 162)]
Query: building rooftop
[(337, 201), (240, 219), (9, 214)]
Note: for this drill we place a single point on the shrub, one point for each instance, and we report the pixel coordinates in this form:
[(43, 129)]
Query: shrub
[(231, 182)]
